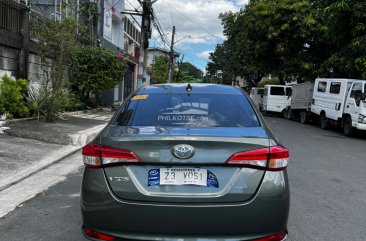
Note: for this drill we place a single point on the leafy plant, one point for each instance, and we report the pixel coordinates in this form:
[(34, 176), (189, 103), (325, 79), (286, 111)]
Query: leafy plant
[(12, 97), (57, 41), (94, 69), (47, 102), (159, 69)]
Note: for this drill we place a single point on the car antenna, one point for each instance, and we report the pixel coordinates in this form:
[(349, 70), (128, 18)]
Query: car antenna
[(189, 88)]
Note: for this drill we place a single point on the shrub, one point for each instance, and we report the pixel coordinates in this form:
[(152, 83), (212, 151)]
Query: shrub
[(47, 102), (94, 69), (13, 97)]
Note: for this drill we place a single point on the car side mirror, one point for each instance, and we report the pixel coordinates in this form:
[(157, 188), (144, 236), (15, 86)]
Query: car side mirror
[(363, 96)]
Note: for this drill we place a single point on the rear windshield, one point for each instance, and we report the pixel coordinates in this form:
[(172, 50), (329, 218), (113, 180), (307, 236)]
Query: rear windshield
[(188, 110), (260, 91), (277, 91)]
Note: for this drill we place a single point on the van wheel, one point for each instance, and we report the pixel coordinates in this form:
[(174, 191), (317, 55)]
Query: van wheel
[(324, 123), (284, 113), (289, 114), (348, 129), (303, 117)]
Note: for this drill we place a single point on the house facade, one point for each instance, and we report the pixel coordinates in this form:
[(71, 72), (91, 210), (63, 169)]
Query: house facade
[(119, 33), (103, 25)]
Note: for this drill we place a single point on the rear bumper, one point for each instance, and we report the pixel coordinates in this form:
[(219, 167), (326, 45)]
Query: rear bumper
[(265, 214)]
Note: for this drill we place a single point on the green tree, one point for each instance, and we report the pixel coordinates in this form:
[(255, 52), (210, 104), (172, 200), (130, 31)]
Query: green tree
[(293, 39), (274, 37), (346, 32), (56, 41), (188, 73), (94, 69), (159, 70)]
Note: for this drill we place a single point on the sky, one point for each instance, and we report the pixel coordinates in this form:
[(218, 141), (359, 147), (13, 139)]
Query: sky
[(198, 28)]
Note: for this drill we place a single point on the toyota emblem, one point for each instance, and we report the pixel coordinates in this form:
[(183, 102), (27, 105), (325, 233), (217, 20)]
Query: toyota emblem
[(183, 151)]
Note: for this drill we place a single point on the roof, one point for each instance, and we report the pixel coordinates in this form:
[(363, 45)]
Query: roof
[(196, 88)]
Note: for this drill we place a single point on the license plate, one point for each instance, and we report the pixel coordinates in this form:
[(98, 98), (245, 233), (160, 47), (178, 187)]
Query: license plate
[(182, 176)]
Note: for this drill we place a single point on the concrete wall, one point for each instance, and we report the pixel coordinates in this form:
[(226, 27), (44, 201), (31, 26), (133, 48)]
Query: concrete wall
[(9, 58), (35, 73), (8, 61)]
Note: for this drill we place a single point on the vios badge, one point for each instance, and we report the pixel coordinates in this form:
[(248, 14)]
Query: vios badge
[(183, 151)]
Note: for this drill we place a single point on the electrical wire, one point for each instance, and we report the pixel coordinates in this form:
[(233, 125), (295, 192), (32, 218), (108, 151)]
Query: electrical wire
[(202, 28), (167, 26), (158, 27)]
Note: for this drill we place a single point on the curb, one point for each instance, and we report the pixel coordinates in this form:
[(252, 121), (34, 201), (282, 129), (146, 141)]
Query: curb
[(79, 112), (13, 121), (44, 163), (79, 140)]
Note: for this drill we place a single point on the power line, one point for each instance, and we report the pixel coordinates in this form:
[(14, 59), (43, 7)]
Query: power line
[(160, 16), (211, 34), (133, 16), (158, 27)]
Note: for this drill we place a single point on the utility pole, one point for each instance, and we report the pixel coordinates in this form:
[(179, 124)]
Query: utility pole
[(144, 45), (171, 59)]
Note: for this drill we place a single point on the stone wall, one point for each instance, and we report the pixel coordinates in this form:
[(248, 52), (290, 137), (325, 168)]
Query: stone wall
[(9, 58), (8, 61)]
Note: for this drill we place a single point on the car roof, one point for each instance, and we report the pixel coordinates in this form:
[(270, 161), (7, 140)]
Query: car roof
[(195, 88)]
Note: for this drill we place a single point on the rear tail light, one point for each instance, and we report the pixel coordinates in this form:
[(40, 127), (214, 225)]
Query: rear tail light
[(97, 235), (95, 155), (274, 158), (276, 237)]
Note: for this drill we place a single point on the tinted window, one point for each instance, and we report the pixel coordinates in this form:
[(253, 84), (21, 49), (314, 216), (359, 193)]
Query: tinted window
[(322, 86), (356, 93), (196, 109), (277, 90), (288, 91), (335, 87), (260, 91)]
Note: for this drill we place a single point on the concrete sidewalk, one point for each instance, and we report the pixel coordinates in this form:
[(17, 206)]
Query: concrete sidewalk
[(30, 146)]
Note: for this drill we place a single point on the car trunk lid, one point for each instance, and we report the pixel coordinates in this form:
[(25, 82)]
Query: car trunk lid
[(212, 148)]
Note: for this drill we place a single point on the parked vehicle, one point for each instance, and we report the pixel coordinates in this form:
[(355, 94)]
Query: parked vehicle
[(256, 94), (340, 102), (277, 98), (300, 107), (180, 162)]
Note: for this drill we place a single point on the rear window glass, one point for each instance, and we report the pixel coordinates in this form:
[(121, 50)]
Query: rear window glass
[(277, 91), (322, 86), (182, 109), (335, 87), (260, 91)]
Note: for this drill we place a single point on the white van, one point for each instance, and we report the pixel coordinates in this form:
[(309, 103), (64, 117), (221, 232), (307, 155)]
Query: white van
[(340, 102), (277, 98), (256, 94)]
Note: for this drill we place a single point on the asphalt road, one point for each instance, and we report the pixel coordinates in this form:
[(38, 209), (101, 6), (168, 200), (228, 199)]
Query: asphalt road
[(327, 174)]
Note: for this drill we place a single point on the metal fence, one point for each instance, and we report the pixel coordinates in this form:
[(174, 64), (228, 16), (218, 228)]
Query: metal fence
[(11, 15), (56, 10)]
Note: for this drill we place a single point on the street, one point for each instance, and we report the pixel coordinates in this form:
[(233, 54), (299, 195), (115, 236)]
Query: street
[(327, 174)]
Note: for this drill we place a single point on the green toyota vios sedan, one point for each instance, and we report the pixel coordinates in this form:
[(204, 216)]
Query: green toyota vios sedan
[(185, 162)]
